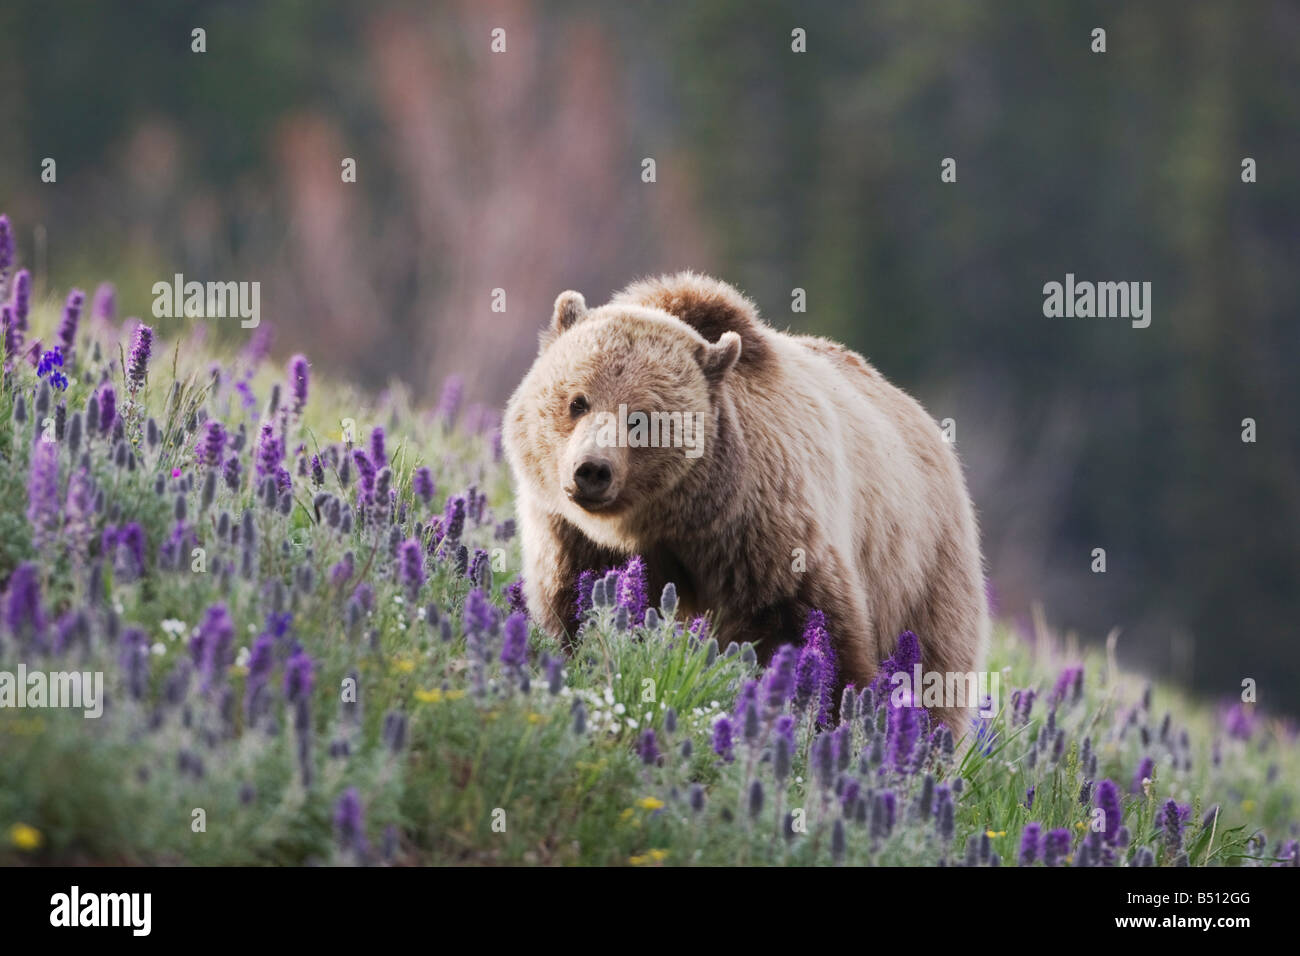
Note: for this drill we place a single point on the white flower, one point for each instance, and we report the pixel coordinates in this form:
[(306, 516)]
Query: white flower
[(398, 599), (241, 657), (420, 614), (620, 709), (173, 628), (117, 607), (158, 649)]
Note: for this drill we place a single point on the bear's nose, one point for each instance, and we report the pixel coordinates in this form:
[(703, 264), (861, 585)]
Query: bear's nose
[(593, 477)]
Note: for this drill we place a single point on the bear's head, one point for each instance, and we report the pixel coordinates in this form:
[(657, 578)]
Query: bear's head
[(617, 409)]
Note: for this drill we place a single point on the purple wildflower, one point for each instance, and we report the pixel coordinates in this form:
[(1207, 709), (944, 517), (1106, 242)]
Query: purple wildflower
[(480, 615), (902, 730), (13, 335), (342, 572), (210, 647), (22, 298), (298, 376), (631, 592), (1239, 721), (1109, 803), (422, 484), (1068, 685), (582, 598), (6, 249), (906, 656), (299, 676), (1173, 817), (349, 822), (378, 452), (1031, 839), (723, 734), (137, 365), (107, 408), (24, 615), (815, 669), (453, 519), (1056, 846), (647, 747), (515, 601), (43, 493), (104, 304), (780, 677), (514, 648), (453, 392), (71, 319), (213, 446), (366, 470), (410, 563), (1144, 771), (270, 451), (134, 661)]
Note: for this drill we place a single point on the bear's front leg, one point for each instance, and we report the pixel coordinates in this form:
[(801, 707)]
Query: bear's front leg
[(554, 554)]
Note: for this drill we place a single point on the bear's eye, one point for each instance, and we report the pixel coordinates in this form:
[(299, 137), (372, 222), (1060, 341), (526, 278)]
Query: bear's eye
[(578, 407)]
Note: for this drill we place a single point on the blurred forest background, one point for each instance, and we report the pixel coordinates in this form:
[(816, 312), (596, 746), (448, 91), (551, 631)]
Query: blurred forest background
[(775, 170)]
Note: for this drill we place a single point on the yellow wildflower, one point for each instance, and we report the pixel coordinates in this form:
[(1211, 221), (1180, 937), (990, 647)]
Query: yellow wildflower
[(433, 696), (650, 803), (25, 837)]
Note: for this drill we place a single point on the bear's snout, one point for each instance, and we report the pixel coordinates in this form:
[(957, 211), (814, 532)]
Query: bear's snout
[(592, 480)]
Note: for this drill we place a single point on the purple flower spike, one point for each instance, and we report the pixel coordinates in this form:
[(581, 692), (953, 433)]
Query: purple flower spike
[(24, 615), (43, 493), (137, 365), (299, 676), (6, 250), (514, 649), (298, 376), (647, 747), (779, 680), (22, 298), (815, 669), (270, 451), (410, 564), (71, 319), (349, 822), (378, 453), (453, 392), (1108, 802), (1144, 771), (1030, 844), (1056, 846), (632, 590), (104, 304), (422, 484), (107, 408), (213, 448), (723, 738)]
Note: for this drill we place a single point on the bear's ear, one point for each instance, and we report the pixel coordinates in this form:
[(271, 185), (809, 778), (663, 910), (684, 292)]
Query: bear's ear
[(570, 307), (717, 358)]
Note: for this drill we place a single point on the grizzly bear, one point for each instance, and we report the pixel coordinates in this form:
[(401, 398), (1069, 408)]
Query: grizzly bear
[(796, 478)]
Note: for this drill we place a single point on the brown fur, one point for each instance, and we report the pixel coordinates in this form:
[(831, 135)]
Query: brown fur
[(806, 447)]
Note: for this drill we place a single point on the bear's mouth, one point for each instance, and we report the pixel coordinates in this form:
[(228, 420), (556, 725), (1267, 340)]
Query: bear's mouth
[(591, 503)]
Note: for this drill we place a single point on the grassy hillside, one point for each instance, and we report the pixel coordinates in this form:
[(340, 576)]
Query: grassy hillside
[(312, 652)]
